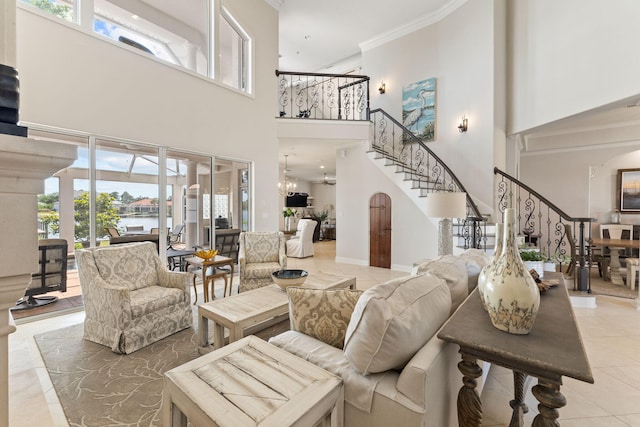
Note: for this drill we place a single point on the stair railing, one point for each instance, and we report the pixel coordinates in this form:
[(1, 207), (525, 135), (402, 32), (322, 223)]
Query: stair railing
[(428, 172), (320, 96), (542, 224)]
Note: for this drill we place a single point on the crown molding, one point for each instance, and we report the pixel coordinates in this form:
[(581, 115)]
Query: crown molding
[(411, 26), (276, 4)]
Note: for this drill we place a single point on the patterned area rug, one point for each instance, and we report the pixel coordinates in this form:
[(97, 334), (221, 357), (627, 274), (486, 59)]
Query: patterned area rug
[(97, 387)]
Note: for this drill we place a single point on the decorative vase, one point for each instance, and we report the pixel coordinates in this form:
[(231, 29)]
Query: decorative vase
[(511, 296), (482, 277), (287, 223)]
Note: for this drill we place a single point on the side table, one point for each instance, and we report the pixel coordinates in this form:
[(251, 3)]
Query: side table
[(204, 265), (252, 383), (551, 350)]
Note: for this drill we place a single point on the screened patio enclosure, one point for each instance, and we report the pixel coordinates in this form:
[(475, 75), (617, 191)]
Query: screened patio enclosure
[(137, 188)]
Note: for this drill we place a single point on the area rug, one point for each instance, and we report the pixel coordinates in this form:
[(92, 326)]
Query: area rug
[(97, 387)]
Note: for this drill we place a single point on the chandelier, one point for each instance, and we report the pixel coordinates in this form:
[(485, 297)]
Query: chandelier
[(287, 187)]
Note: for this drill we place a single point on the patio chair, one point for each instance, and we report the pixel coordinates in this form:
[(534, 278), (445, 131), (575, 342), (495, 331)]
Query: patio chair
[(51, 275), (112, 232), (174, 236)]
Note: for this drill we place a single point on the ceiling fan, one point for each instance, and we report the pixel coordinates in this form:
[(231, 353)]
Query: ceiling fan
[(328, 180)]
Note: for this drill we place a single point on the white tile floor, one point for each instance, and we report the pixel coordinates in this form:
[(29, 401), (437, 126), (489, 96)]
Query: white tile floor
[(611, 334)]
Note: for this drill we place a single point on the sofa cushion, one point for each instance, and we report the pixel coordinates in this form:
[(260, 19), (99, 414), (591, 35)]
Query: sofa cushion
[(475, 260), (262, 247), (260, 270), (453, 270), (132, 265), (390, 322), (322, 313), (153, 298)]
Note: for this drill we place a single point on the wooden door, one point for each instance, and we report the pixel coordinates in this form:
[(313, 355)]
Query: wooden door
[(380, 231)]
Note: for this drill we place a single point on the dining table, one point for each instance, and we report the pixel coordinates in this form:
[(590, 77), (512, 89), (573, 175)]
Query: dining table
[(614, 245)]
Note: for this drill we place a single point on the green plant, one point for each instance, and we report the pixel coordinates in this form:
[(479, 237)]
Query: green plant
[(532, 255), (288, 212), (322, 216), (106, 214)]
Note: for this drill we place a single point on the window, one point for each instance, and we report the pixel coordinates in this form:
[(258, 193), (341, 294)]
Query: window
[(62, 9), (179, 33), (234, 54), (175, 35)]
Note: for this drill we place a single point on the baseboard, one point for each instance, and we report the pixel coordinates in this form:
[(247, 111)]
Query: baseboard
[(352, 261), (586, 301)]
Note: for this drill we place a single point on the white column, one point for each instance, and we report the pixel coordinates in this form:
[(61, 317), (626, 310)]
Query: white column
[(24, 165), (191, 221)]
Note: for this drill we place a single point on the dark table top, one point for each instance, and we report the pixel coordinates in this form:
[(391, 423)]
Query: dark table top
[(551, 350)]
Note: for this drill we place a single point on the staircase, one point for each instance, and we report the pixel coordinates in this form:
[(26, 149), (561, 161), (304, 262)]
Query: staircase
[(419, 171)]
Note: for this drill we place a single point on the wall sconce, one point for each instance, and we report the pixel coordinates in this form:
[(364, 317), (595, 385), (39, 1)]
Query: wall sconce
[(382, 88), (462, 127)]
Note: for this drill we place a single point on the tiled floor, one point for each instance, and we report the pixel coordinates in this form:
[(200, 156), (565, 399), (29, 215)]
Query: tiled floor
[(611, 334)]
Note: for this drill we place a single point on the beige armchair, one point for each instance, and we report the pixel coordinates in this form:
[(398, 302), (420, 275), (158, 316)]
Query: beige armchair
[(131, 300), (261, 253)]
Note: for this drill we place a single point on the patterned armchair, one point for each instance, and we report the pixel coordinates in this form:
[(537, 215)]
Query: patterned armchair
[(131, 300), (261, 253)]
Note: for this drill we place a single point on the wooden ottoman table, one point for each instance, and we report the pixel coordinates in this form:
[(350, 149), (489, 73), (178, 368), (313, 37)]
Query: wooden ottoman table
[(262, 306), (252, 383)]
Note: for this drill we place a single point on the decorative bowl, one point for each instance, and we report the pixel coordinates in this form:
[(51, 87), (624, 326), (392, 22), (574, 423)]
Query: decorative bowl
[(286, 278), (206, 254)]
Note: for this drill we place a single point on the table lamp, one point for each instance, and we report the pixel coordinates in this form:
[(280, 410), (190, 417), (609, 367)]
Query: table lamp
[(446, 205)]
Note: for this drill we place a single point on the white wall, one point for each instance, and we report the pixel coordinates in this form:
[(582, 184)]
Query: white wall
[(414, 236), (74, 80), (463, 52), (571, 56), (581, 182)]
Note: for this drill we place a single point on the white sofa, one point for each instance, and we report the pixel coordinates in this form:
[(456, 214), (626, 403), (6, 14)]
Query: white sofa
[(395, 369)]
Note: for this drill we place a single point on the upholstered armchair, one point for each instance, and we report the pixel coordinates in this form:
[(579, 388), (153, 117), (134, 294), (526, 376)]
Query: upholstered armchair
[(131, 300), (261, 253), (301, 245)]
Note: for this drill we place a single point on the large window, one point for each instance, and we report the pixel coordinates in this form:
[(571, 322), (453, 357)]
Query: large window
[(179, 33), (138, 189)]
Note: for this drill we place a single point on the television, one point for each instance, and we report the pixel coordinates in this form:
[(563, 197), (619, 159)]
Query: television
[(296, 200)]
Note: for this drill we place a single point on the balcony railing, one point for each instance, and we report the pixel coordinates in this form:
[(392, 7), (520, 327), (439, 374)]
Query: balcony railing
[(558, 235), (319, 96)]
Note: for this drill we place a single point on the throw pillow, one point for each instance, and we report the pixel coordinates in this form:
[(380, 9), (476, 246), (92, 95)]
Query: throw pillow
[(322, 314), (453, 270), (475, 259), (392, 321)]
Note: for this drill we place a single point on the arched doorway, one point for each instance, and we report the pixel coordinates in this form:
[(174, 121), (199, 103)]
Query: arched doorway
[(380, 230)]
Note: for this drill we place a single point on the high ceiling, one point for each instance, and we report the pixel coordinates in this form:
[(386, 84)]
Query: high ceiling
[(315, 37)]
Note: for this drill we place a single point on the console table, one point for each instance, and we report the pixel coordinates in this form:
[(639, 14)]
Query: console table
[(551, 350)]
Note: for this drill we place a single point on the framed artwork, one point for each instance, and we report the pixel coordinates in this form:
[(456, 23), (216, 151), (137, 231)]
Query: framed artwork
[(419, 108), (628, 194)]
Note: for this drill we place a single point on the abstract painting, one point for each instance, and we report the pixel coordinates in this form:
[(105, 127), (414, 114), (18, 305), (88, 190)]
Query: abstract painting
[(629, 190), (419, 108)]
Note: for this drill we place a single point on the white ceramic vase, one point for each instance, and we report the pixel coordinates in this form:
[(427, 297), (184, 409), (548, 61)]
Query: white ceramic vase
[(482, 277), (511, 296)]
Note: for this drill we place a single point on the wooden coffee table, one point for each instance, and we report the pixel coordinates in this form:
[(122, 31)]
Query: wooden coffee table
[(252, 383), (267, 305)]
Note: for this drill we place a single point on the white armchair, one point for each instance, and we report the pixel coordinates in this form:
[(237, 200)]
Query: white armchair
[(131, 300), (260, 254), (301, 245)]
